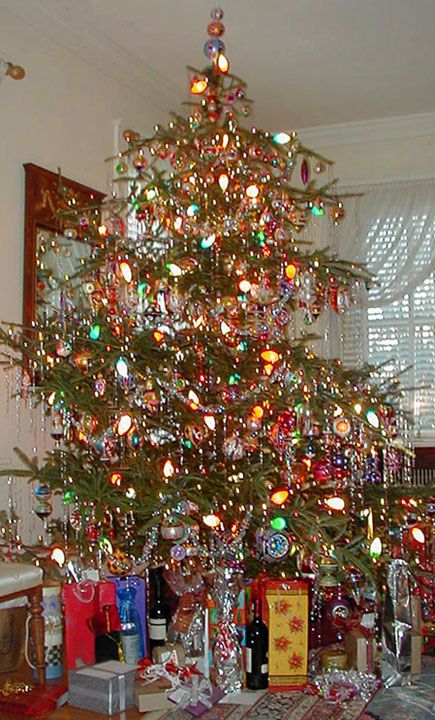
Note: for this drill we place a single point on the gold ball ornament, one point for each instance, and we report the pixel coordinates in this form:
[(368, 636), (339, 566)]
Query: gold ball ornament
[(119, 563), (82, 359), (16, 72), (195, 434), (337, 213)]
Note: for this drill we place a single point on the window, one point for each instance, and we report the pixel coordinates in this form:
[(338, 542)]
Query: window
[(400, 335)]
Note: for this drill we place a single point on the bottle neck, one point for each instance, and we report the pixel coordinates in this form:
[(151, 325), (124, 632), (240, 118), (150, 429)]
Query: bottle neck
[(257, 609)]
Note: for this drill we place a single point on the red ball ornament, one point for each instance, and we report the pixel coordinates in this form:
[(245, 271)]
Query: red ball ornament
[(287, 420), (322, 471), (93, 531)]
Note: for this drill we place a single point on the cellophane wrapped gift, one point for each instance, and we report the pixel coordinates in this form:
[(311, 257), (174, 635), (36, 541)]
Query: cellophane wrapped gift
[(397, 625), (133, 586), (188, 623), (106, 688)]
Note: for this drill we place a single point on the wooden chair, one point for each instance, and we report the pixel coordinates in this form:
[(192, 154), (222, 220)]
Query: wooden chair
[(16, 580)]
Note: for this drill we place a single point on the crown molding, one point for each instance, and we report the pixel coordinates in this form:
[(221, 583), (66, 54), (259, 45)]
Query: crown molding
[(388, 128)]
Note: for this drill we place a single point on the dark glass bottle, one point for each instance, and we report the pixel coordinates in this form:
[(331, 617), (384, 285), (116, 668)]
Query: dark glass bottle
[(257, 648), (157, 613)]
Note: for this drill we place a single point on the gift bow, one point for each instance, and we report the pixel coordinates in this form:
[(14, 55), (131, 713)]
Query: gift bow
[(189, 687), (199, 690)]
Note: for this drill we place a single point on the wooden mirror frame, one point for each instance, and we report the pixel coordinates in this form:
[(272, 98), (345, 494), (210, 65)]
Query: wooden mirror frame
[(43, 195)]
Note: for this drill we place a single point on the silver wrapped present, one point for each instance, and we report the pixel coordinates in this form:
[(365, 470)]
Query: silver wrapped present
[(106, 688)]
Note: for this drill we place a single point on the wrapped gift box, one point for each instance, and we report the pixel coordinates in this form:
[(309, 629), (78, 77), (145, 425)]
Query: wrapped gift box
[(333, 658), (169, 652), (416, 617), (108, 687), (152, 696), (285, 605), (416, 652), (361, 650), (36, 703)]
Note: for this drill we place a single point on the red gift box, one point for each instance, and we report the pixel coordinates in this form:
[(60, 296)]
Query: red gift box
[(34, 704), (82, 602)]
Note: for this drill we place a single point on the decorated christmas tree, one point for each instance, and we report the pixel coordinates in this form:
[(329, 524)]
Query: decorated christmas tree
[(178, 366)]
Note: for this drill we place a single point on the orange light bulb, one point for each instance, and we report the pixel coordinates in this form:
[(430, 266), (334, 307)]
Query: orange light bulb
[(335, 503), (270, 356), (279, 496), (418, 535), (212, 520), (244, 286), (198, 85), (291, 271), (168, 468), (126, 271), (223, 181), (124, 424), (257, 412), (222, 63), (116, 479)]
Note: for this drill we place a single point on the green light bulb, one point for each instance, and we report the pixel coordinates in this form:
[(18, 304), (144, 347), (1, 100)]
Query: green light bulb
[(278, 523), (141, 288), (234, 379), (94, 332)]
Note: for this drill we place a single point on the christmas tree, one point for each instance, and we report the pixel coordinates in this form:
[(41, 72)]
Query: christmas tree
[(185, 396)]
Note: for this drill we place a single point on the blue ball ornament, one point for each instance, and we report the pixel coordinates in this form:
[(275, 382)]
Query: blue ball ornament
[(213, 46)]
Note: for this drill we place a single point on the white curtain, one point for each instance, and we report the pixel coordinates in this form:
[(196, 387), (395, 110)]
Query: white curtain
[(391, 229)]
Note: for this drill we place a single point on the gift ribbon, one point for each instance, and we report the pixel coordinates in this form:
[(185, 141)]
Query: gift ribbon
[(199, 691), (189, 687)]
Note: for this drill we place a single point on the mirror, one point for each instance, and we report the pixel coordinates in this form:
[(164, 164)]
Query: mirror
[(52, 246)]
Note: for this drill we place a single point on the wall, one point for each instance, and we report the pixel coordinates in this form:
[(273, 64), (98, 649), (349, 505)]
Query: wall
[(378, 151), (61, 114)]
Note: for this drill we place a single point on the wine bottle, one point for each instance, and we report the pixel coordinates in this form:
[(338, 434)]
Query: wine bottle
[(157, 616), (257, 647)]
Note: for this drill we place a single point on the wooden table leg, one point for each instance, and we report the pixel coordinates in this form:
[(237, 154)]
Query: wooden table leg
[(37, 630)]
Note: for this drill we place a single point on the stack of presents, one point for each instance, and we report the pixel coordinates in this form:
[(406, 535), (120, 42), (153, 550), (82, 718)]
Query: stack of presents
[(108, 674)]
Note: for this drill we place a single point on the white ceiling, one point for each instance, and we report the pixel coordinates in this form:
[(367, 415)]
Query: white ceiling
[(307, 62)]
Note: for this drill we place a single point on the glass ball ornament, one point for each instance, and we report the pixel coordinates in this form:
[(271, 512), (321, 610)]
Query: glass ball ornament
[(213, 46), (217, 13), (276, 544), (233, 448), (215, 28), (93, 531), (75, 519), (63, 349), (43, 509), (178, 552), (172, 530), (322, 471), (42, 492)]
